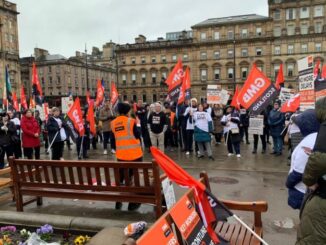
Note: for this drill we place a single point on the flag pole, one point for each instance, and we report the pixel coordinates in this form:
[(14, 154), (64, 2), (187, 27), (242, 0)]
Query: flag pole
[(81, 147), (50, 146)]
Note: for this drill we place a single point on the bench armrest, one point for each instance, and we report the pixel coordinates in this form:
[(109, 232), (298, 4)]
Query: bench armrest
[(259, 206), (5, 171)]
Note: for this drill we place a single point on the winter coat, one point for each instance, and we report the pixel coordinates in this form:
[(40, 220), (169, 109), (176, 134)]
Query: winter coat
[(53, 128), (276, 121), (6, 137), (203, 126), (244, 119), (106, 116), (30, 127), (217, 115)]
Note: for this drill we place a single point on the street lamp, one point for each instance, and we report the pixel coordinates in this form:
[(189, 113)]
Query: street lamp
[(87, 81), (234, 66)]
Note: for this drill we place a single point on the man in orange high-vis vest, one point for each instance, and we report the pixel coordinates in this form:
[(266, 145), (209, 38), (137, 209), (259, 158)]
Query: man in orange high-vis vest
[(128, 146)]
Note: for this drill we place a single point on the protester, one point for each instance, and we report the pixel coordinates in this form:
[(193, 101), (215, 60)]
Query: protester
[(217, 114), (231, 123), (203, 127), (141, 114), (190, 125), (263, 136), (312, 229), (276, 123), (244, 125), (294, 134), (182, 124), (31, 135), (17, 146), (83, 142), (128, 146), (57, 134), (106, 116), (157, 125), (168, 135), (308, 126), (7, 132)]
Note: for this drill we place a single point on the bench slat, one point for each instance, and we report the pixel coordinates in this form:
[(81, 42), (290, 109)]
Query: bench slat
[(117, 177), (54, 174), (146, 177), (63, 175), (107, 176), (127, 176), (98, 176), (89, 176), (22, 171), (71, 175), (136, 177), (241, 235), (80, 176), (235, 234), (229, 233), (46, 173)]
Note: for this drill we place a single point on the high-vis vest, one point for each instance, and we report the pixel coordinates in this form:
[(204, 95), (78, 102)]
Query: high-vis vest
[(128, 148)]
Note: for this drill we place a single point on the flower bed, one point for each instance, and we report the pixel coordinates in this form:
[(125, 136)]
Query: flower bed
[(11, 235)]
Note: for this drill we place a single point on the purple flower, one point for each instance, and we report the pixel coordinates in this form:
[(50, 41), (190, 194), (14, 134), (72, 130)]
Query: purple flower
[(45, 229), (8, 229), (22, 243)]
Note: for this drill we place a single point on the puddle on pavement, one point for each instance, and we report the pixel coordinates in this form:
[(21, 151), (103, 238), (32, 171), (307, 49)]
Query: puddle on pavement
[(223, 180), (285, 224)]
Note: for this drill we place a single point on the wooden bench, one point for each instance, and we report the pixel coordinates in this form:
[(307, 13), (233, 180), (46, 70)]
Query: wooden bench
[(88, 180), (6, 183)]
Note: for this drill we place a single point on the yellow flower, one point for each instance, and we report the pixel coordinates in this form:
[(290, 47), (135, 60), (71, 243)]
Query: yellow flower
[(1, 242)]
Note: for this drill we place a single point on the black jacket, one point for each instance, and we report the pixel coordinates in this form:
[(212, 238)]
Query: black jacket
[(53, 128), (6, 137)]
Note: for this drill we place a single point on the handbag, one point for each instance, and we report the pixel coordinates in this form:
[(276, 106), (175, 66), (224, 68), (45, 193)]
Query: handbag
[(235, 131)]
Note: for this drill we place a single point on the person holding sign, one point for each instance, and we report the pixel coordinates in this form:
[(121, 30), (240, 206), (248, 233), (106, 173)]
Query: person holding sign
[(276, 122), (231, 123), (261, 136)]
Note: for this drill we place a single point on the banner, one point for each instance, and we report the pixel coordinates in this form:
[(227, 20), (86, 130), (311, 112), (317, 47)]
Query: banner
[(88, 97), (292, 104), (23, 100), (91, 119), (168, 192), (41, 110), (36, 86), (189, 223), (174, 81), (114, 95), (99, 94), (15, 104), (46, 111), (306, 83), (320, 88), (185, 90), (235, 101), (257, 92), (66, 104), (286, 94), (256, 125), (280, 78), (75, 120), (7, 90)]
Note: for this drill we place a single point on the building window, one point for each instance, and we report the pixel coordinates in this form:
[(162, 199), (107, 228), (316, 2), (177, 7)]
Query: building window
[(244, 72), (125, 97), (318, 47), (244, 52), (318, 27), (143, 60), (304, 12), (203, 36), (203, 55), (277, 14), (50, 70), (277, 50), (50, 80), (290, 49), (277, 31), (258, 31), (244, 33), (276, 69), (216, 35), (319, 11), (290, 70), (290, 30), (230, 35), (163, 58), (143, 77), (304, 28), (230, 73), (185, 57), (304, 48), (144, 98), (134, 97), (133, 78), (133, 60), (153, 77), (124, 78), (154, 98), (10, 24), (174, 57), (216, 55), (230, 53), (203, 74), (164, 75), (259, 51), (217, 73), (290, 14), (153, 59)]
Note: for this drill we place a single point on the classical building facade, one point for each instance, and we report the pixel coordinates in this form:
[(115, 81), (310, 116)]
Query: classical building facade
[(60, 76), (222, 50), (9, 48)]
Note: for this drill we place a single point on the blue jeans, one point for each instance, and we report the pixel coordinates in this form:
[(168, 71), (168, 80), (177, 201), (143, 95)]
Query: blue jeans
[(278, 144)]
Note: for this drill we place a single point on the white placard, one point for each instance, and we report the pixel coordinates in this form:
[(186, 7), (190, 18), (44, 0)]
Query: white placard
[(41, 111), (286, 94), (66, 103), (168, 191), (256, 125)]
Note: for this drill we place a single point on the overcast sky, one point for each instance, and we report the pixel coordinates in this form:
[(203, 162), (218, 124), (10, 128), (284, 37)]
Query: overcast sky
[(64, 26)]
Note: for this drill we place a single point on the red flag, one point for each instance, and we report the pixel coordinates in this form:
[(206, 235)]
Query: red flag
[(46, 111), (23, 100), (100, 93), (280, 78), (15, 101), (32, 104), (114, 95), (36, 82), (291, 105), (323, 74), (182, 178), (185, 90), (174, 81), (316, 69), (88, 97), (235, 101), (75, 116), (91, 119)]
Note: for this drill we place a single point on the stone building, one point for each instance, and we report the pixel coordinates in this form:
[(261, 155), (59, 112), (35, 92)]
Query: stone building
[(222, 50), (9, 47), (60, 76)]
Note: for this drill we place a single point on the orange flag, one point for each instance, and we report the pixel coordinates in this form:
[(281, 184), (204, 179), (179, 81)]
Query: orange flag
[(88, 97), (23, 100), (185, 89), (316, 69), (323, 74), (291, 105), (174, 81), (100, 93), (32, 104), (280, 78), (114, 95), (15, 101), (75, 116), (235, 102), (46, 111), (91, 118)]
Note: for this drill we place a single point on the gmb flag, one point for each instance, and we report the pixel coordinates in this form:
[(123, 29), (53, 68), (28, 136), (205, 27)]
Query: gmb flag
[(75, 121), (174, 81), (257, 92)]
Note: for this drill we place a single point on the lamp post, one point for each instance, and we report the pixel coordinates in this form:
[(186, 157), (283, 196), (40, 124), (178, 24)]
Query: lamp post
[(234, 59), (87, 81)]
